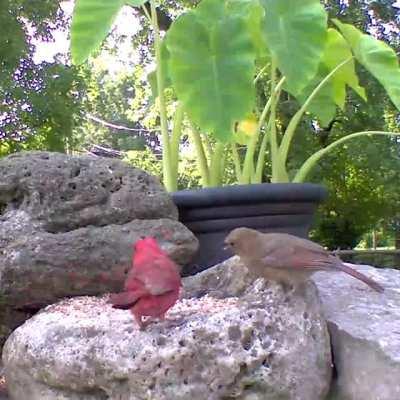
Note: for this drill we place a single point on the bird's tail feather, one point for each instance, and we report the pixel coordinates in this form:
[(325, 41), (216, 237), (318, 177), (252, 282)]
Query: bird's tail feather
[(336, 263), (358, 275)]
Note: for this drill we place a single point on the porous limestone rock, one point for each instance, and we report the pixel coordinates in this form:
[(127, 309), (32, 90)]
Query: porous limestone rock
[(228, 338), (63, 193), (38, 270), (67, 225), (365, 333)]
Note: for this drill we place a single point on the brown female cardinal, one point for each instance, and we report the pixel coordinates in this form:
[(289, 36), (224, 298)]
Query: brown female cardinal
[(152, 285), (286, 258)]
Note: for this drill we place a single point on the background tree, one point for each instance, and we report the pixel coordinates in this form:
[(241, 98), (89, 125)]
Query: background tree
[(362, 175), (41, 102), (57, 107)]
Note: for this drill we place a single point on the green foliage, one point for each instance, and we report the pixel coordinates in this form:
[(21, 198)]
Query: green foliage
[(41, 116), (135, 3), (356, 200), (12, 40), (363, 185), (377, 57), (253, 14), (333, 93), (338, 50), (46, 106), (15, 44), (210, 54), (92, 22), (144, 159), (40, 102), (189, 177), (122, 101), (212, 69), (295, 33)]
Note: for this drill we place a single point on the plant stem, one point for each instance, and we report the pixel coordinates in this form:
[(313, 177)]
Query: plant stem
[(248, 167), (291, 128), (310, 163), (257, 177), (146, 13), (208, 146), (216, 165), (174, 144), (236, 161), (168, 178), (258, 76), (201, 157), (272, 125)]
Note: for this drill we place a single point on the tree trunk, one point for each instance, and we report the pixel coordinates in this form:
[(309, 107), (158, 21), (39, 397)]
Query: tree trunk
[(397, 244), (397, 238), (374, 239)]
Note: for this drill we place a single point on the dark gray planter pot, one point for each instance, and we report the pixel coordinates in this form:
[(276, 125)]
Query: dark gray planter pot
[(268, 207)]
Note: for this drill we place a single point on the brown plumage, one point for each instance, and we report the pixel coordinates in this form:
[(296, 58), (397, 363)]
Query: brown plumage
[(286, 258)]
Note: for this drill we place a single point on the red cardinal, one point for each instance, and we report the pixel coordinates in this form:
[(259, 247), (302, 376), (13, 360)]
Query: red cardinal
[(152, 285)]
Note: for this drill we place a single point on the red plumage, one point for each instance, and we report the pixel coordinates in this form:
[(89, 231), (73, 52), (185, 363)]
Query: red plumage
[(152, 285)]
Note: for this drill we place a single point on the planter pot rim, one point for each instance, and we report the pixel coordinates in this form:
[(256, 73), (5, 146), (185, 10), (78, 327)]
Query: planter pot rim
[(255, 193)]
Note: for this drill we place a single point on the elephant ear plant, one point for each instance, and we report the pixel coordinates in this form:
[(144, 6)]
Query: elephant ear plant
[(212, 57)]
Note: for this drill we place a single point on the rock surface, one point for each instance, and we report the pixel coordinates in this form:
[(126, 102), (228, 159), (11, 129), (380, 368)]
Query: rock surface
[(365, 333), (67, 225), (64, 193), (227, 339)]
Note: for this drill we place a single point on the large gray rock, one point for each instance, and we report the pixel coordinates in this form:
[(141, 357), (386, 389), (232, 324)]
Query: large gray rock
[(67, 226), (365, 333), (38, 269), (238, 340), (65, 193)]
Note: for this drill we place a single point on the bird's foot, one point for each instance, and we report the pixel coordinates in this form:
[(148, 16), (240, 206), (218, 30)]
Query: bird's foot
[(142, 322), (287, 287)]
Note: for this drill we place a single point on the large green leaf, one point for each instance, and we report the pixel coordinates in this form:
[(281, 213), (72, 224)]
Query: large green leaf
[(135, 3), (323, 105), (296, 33), (254, 14), (91, 22), (377, 57), (338, 50), (333, 92), (212, 67)]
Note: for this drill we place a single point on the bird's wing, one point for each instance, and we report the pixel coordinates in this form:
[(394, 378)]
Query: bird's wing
[(276, 255), (295, 253), (124, 300), (301, 244), (276, 241), (159, 276)]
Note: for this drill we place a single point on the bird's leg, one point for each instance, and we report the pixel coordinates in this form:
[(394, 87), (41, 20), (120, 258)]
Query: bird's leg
[(145, 323), (161, 317), (287, 286), (139, 320)]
